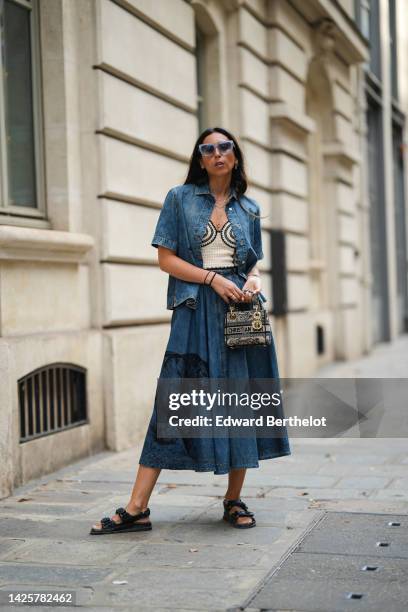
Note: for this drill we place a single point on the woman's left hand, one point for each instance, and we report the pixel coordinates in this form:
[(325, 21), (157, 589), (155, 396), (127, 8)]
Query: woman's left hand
[(253, 283)]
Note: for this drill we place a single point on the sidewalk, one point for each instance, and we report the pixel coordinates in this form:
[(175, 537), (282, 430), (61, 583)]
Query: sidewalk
[(320, 515)]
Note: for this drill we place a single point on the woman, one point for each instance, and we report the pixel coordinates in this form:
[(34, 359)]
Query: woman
[(208, 238)]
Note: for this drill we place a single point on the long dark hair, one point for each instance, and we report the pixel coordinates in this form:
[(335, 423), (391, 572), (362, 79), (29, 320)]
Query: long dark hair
[(198, 176)]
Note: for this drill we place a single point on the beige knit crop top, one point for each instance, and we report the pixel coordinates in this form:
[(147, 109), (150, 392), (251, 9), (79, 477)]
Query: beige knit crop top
[(218, 246)]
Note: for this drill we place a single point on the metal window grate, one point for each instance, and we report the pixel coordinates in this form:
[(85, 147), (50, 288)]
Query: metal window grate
[(52, 398)]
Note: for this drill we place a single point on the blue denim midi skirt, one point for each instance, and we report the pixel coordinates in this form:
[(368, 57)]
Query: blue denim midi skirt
[(196, 349)]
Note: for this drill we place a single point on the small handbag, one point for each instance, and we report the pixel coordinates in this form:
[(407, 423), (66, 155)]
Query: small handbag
[(248, 326)]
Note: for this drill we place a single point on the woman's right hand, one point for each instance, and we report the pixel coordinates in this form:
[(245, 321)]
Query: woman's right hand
[(227, 289)]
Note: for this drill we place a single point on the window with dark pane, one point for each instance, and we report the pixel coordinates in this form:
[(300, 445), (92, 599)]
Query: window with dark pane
[(18, 117)]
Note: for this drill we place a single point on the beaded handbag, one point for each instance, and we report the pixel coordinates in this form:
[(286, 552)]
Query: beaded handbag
[(247, 326)]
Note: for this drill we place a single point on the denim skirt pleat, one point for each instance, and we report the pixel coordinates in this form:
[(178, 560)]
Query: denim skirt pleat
[(196, 349)]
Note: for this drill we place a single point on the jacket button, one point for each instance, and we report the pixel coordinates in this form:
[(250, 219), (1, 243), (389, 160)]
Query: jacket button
[(242, 242), (242, 262)]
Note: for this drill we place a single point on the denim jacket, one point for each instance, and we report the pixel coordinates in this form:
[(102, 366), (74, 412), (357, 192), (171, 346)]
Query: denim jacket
[(181, 227)]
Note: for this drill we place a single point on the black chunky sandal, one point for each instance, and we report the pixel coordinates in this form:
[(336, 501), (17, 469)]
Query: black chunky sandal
[(232, 517), (127, 523)]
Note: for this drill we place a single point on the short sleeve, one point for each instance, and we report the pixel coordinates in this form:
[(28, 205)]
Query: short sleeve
[(166, 232), (257, 246)]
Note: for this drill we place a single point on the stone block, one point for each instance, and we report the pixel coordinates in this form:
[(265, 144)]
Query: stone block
[(255, 117), (254, 72), (297, 253), (347, 259), (342, 100), (258, 162), (287, 53), (301, 363), (298, 291), (179, 21), (126, 107), (53, 292), (127, 170), (346, 198), (131, 398), (284, 87), (125, 302), (128, 230), (289, 175), (253, 33), (348, 291), (347, 228), (174, 75)]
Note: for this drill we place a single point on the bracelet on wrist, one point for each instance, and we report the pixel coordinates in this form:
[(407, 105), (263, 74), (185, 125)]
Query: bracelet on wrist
[(206, 276), (209, 284)]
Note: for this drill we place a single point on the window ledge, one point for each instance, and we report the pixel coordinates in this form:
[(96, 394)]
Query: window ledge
[(342, 151), (284, 113), (33, 244)]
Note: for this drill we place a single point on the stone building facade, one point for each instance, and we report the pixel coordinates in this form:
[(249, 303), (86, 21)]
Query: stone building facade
[(115, 93)]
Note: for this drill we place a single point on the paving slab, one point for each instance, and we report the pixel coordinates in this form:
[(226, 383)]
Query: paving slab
[(215, 491), (202, 588), (359, 533), (53, 509), (383, 471), (67, 529), (363, 482), (330, 596), (266, 517), (324, 567), (8, 545), (391, 494), (160, 512), (209, 556), (182, 499), (312, 493), (47, 575), (337, 566), (52, 552), (362, 505), (220, 532), (57, 496)]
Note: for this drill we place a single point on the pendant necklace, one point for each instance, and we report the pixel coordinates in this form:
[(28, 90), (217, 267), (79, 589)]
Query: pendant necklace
[(220, 224)]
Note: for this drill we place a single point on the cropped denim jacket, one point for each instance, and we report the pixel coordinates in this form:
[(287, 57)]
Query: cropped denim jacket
[(181, 227)]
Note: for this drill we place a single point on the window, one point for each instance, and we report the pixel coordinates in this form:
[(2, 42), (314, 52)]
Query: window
[(368, 21), (20, 130), (393, 49), (200, 70), (208, 69), (377, 213), (400, 223)]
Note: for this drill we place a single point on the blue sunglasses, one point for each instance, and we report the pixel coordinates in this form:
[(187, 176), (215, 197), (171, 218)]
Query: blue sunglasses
[(224, 147)]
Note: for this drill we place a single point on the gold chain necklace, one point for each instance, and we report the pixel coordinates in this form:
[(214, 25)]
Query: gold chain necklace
[(220, 223), (225, 200)]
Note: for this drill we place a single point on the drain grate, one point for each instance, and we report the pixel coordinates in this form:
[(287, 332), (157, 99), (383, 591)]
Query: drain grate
[(336, 567)]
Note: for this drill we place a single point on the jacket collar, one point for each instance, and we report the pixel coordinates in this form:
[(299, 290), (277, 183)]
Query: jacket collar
[(204, 189)]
